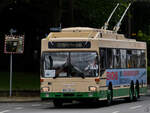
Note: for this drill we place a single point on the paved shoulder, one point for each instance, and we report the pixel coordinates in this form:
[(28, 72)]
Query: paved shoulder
[(19, 99)]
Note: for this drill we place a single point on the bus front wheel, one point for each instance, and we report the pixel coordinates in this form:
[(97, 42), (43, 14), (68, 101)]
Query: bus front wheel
[(57, 103), (110, 94)]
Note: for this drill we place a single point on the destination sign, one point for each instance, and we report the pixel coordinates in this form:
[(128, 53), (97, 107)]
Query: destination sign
[(66, 45)]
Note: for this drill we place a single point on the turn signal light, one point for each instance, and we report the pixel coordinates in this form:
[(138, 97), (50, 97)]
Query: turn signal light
[(97, 79), (41, 80)]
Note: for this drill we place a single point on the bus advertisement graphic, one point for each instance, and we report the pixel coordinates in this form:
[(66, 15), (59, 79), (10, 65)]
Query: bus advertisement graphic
[(124, 76)]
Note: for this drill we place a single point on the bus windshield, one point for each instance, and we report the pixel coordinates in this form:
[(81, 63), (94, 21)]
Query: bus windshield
[(70, 64)]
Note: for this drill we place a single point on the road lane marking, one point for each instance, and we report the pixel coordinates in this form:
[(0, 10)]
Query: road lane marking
[(34, 105), (116, 112), (18, 108), (135, 107), (5, 111), (17, 105)]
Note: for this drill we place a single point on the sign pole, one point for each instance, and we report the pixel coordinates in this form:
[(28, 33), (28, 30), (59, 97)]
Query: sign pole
[(13, 44), (10, 93)]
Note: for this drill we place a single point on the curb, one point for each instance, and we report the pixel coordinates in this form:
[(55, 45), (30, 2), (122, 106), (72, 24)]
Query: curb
[(19, 99)]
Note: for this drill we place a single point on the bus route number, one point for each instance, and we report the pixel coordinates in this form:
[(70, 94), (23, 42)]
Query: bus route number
[(112, 75)]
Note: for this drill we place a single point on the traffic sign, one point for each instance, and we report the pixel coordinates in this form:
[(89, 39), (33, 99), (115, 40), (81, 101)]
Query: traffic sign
[(14, 44)]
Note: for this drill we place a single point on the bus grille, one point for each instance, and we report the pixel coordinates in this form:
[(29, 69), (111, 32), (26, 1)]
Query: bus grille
[(68, 95)]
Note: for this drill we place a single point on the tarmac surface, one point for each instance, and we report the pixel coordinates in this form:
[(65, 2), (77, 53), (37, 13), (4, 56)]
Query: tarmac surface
[(20, 99), (118, 106)]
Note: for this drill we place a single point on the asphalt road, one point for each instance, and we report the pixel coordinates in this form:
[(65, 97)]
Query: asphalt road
[(119, 106)]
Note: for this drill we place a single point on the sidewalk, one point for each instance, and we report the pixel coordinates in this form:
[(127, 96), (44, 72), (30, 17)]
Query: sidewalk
[(20, 99)]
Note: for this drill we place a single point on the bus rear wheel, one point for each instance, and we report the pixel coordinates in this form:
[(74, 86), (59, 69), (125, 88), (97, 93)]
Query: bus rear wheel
[(137, 95)]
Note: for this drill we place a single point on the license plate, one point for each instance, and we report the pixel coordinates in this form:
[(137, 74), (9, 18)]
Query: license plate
[(68, 90)]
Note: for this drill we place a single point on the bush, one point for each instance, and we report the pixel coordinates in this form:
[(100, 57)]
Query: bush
[(20, 81)]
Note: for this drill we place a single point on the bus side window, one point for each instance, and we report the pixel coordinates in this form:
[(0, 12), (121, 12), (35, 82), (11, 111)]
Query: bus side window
[(138, 59), (129, 59), (109, 58), (116, 56), (143, 59), (123, 58), (103, 58), (134, 58)]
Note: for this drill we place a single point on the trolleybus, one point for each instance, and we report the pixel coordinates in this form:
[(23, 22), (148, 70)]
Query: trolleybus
[(83, 63)]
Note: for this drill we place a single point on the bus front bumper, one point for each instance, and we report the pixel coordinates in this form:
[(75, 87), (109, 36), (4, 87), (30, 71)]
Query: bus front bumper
[(69, 95)]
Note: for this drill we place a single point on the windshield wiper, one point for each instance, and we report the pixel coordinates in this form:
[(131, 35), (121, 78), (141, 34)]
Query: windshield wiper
[(55, 77), (82, 75)]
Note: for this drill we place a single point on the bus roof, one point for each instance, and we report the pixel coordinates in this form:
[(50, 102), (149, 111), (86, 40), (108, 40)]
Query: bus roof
[(87, 32)]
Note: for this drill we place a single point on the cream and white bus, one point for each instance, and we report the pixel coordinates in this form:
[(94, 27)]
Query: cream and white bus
[(92, 64)]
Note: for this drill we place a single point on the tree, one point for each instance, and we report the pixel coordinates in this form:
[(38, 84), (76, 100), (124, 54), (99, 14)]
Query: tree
[(94, 13)]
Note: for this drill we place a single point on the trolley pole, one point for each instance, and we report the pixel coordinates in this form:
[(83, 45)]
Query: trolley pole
[(10, 92)]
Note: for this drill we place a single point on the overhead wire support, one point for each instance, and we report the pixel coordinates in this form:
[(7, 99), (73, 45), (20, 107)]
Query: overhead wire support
[(107, 22), (117, 27)]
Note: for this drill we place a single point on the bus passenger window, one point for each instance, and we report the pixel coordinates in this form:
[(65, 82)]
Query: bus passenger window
[(134, 58), (103, 58), (116, 54), (123, 58), (129, 59), (138, 58), (143, 59), (109, 58)]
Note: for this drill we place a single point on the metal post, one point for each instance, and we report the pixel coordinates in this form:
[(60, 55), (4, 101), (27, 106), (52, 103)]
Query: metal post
[(107, 23), (117, 27), (10, 93)]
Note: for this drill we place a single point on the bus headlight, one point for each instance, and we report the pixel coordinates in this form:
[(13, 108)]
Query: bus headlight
[(92, 88), (45, 89)]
